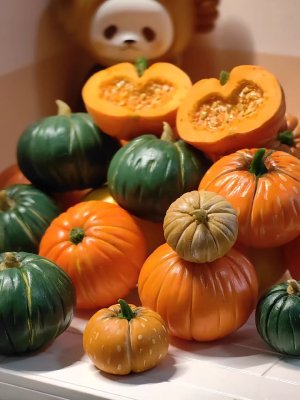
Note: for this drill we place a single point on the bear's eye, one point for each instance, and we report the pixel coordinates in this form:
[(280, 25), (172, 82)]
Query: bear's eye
[(110, 31), (149, 34)]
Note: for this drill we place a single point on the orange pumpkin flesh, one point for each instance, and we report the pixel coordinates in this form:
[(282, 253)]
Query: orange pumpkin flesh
[(100, 246), (204, 301), (267, 203), (246, 111), (124, 104), (118, 345)]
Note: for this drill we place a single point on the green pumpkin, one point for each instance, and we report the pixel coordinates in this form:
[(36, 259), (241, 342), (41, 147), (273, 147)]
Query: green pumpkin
[(149, 173), (277, 317), (37, 302), (25, 214), (65, 152)]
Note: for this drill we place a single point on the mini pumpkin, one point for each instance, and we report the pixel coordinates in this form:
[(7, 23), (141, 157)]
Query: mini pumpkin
[(263, 186), (244, 108), (125, 102), (277, 317), (292, 257), (11, 176), (201, 226), (124, 338)]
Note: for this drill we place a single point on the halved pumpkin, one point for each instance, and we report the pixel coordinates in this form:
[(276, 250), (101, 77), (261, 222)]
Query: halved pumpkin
[(125, 104), (245, 109)]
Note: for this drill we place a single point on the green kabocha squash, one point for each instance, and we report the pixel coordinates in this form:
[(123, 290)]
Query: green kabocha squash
[(277, 317), (147, 174), (37, 302), (65, 152), (25, 214)]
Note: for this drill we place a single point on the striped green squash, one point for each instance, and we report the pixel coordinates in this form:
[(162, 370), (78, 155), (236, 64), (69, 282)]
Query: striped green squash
[(37, 302), (65, 152), (25, 214)]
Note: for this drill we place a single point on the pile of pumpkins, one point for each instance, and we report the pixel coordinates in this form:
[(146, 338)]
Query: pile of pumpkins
[(189, 192)]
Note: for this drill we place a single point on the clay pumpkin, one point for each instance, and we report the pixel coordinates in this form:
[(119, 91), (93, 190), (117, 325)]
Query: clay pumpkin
[(125, 104), (292, 257), (199, 301), (100, 246), (201, 226), (245, 109), (263, 186), (124, 338)]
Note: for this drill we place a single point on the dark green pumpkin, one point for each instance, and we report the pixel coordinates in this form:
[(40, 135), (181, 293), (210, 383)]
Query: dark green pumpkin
[(149, 173), (25, 214), (37, 302), (277, 317), (65, 152)]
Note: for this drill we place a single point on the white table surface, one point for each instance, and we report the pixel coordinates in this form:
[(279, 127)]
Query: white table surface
[(240, 366)]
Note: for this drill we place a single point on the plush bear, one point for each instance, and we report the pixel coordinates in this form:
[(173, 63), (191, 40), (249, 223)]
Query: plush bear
[(113, 31)]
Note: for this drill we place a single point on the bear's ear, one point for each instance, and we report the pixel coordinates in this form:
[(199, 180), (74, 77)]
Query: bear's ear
[(206, 15)]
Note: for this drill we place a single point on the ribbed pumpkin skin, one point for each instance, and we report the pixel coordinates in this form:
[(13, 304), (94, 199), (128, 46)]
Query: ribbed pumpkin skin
[(201, 302), (148, 174), (24, 223), (277, 319), (65, 152), (201, 226), (36, 304), (104, 265)]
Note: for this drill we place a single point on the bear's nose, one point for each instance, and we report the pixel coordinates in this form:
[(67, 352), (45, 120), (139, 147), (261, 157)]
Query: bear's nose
[(129, 41)]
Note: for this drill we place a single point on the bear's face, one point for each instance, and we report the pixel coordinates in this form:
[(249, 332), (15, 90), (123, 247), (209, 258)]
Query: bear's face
[(125, 30)]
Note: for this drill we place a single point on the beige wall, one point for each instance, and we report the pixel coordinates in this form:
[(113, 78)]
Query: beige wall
[(39, 64)]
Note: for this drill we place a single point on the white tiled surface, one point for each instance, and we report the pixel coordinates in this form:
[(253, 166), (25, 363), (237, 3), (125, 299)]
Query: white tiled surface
[(240, 366)]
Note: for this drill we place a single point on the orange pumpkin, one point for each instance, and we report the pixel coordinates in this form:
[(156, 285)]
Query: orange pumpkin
[(125, 338), (204, 301), (125, 105), (263, 186), (153, 231), (12, 175), (292, 257), (287, 139), (245, 110), (69, 198), (100, 246)]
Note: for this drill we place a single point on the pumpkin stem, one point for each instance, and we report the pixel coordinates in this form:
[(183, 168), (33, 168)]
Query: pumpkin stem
[(5, 202), (62, 108), (76, 235), (9, 261), (286, 137), (200, 216), (224, 77), (141, 65), (168, 133), (257, 165), (126, 311), (293, 287)]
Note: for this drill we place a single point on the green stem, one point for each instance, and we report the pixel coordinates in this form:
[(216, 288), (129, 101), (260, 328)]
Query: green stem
[(5, 202), (224, 77), (126, 311), (141, 65), (293, 287), (62, 108), (168, 133), (76, 235), (286, 137), (257, 165)]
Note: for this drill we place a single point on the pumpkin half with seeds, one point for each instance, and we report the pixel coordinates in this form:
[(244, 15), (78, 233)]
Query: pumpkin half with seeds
[(126, 101), (244, 108), (201, 226), (124, 338)]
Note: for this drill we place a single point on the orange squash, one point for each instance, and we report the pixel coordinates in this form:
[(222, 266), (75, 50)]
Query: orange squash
[(125, 105), (264, 187), (292, 257), (12, 175), (200, 302), (100, 246), (153, 231), (244, 111), (124, 338)]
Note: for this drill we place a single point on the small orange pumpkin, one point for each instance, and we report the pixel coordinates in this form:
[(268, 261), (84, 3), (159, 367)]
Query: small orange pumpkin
[(199, 301), (292, 257), (245, 109), (125, 105), (12, 175), (124, 338)]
